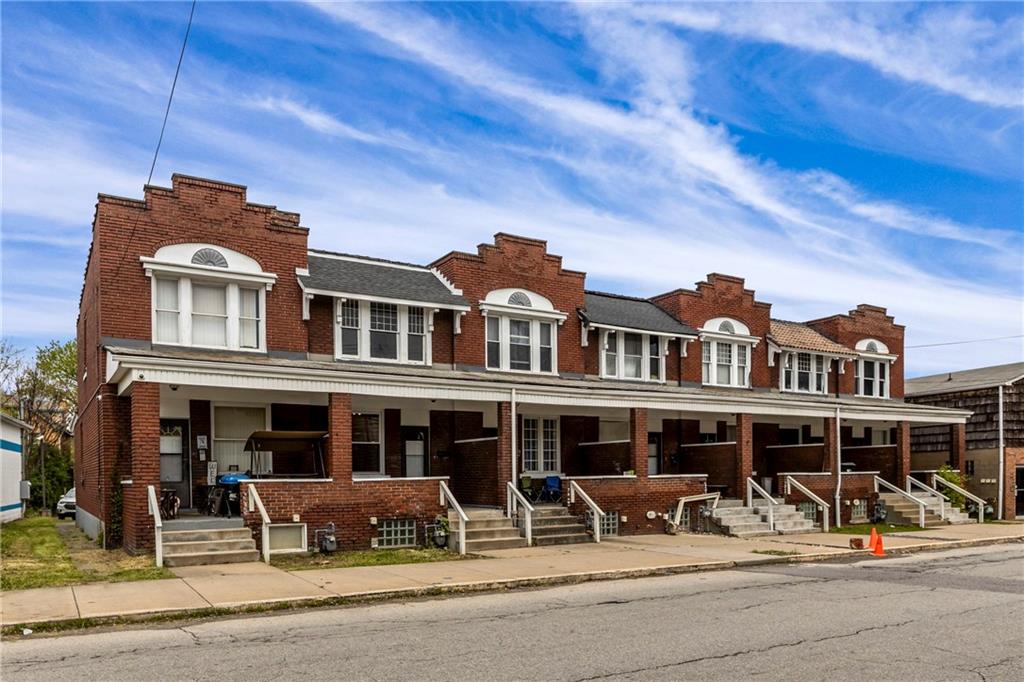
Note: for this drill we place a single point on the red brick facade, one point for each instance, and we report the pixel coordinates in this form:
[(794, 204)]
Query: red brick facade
[(118, 436)]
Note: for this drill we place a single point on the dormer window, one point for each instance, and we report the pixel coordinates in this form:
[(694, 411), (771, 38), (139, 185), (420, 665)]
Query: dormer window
[(726, 349), (632, 355), (520, 331), (381, 332), (872, 368), (207, 297), (805, 372)]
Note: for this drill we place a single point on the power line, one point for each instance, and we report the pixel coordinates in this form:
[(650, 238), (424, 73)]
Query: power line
[(163, 127), (959, 343)]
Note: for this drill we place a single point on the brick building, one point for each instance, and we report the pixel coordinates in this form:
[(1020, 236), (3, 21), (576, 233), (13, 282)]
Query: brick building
[(206, 319), (993, 460)]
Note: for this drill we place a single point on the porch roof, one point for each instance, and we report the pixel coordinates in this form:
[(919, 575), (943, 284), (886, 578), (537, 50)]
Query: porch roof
[(259, 372)]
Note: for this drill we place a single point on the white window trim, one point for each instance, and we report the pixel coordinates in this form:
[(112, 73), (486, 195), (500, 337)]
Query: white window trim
[(859, 375), (213, 423), (380, 435), (504, 337), (620, 357), (403, 333), (713, 372), (540, 446), (782, 372), (231, 303)]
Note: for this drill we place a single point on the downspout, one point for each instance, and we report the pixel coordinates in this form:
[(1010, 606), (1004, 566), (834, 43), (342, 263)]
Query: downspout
[(1002, 457), (838, 516), (515, 428)]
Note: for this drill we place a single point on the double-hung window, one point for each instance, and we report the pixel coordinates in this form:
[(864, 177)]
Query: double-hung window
[(540, 449), (872, 378), (804, 372), (367, 444), (725, 363), (208, 297), (520, 345), (632, 355), (382, 332)]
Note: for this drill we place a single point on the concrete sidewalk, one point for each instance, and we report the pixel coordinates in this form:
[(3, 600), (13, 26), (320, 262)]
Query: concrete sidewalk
[(233, 585)]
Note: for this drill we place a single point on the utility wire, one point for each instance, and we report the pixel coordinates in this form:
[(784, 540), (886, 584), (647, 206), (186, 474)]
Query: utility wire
[(959, 343), (163, 127)]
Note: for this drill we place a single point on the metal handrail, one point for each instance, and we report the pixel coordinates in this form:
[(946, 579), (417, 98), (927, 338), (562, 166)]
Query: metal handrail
[(921, 506), (448, 499), (598, 514), (970, 496), (677, 518), (256, 503), (943, 500), (515, 499), (158, 524), (790, 481), (753, 487)]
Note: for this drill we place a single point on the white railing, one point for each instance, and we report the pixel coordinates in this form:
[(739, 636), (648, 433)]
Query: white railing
[(677, 518), (792, 482), (515, 499), (158, 524), (753, 487), (256, 503), (943, 500), (447, 499), (575, 489), (921, 506), (955, 488)]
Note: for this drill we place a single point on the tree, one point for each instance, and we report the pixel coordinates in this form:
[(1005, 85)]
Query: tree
[(45, 396)]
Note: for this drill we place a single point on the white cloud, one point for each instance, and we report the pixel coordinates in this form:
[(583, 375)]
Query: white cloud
[(947, 48)]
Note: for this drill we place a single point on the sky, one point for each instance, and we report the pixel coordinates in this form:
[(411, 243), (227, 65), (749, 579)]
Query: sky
[(830, 154)]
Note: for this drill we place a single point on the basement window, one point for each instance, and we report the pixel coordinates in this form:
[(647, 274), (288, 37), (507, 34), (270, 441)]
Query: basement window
[(396, 533), (859, 510), (609, 523)]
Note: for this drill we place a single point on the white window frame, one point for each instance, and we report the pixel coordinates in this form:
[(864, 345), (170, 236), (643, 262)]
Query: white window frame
[(504, 327), (403, 332), (381, 464), (859, 377), (793, 356), (232, 306), (540, 470), (619, 355), (713, 335)]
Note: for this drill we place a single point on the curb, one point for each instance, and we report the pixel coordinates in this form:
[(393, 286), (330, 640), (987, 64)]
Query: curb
[(13, 630)]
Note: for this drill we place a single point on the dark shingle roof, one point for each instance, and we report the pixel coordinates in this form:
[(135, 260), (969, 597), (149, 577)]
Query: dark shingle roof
[(632, 313), (368, 277)]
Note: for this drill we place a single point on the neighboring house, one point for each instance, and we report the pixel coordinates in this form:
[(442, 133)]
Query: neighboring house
[(205, 319), (13, 433), (994, 434)]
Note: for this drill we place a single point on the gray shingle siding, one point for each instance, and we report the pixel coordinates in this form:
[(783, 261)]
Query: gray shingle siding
[(369, 278), (632, 313)]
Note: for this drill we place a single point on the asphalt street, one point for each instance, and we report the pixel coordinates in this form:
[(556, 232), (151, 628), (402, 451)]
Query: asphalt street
[(953, 615)]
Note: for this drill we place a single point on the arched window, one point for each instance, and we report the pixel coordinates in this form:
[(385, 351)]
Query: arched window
[(210, 257), (727, 327), (520, 298)]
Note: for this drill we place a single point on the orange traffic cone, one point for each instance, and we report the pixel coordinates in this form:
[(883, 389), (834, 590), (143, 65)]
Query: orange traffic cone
[(873, 540), (879, 550)]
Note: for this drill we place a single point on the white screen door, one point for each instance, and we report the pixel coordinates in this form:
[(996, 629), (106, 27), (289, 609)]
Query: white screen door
[(414, 452)]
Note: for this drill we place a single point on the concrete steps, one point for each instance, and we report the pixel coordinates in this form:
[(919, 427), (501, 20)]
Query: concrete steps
[(204, 541), (488, 528), (738, 520), (553, 525), (954, 515), (903, 511)]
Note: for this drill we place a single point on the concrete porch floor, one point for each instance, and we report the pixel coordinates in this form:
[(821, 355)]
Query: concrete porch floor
[(230, 585)]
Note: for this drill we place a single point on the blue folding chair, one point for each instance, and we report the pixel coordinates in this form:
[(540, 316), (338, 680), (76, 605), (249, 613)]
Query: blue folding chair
[(552, 490)]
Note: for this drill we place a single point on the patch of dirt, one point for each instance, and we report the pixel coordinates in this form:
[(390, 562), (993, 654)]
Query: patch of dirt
[(93, 560)]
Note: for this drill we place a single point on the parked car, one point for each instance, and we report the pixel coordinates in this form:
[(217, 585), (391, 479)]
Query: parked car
[(66, 505)]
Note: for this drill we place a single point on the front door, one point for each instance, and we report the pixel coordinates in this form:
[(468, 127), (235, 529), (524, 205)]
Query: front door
[(1020, 491), (414, 447), (175, 469)]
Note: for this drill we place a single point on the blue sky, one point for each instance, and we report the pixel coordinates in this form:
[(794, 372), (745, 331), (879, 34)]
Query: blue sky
[(831, 154)]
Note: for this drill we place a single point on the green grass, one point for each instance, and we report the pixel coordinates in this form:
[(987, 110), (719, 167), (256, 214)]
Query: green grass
[(882, 528), (40, 552), (775, 552), (368, 557)]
